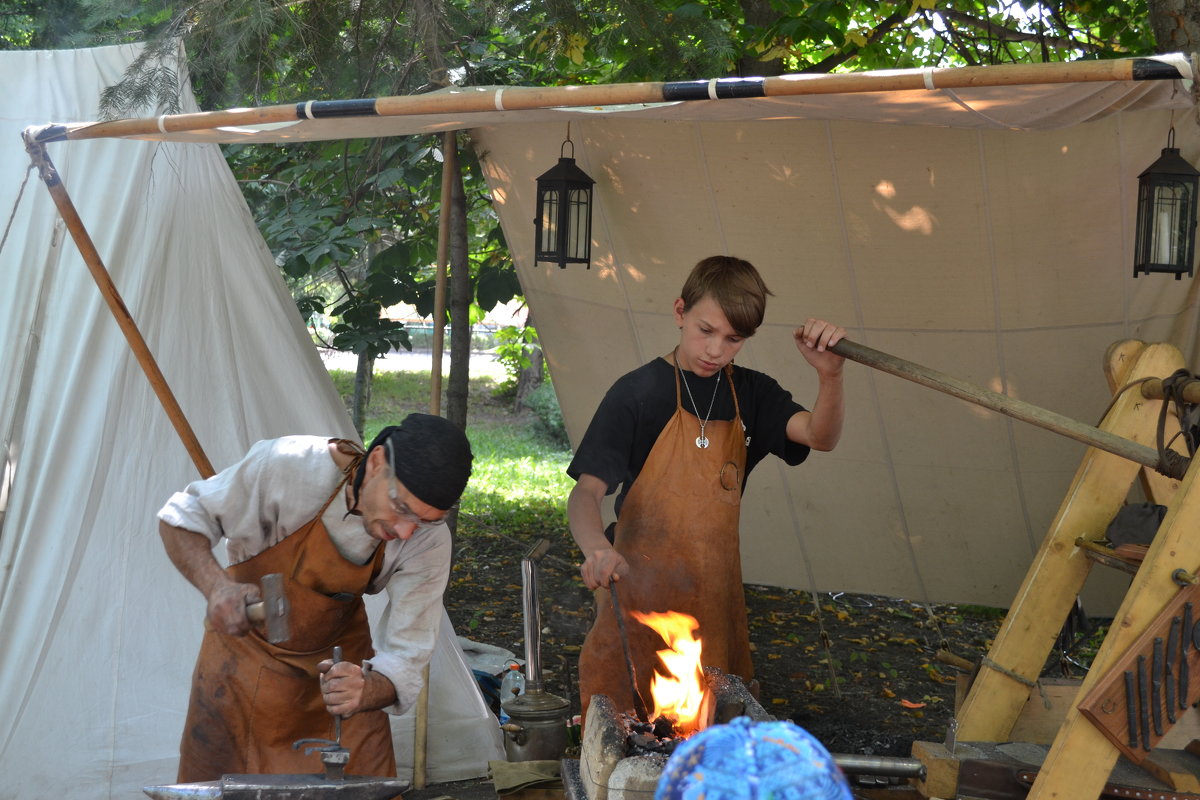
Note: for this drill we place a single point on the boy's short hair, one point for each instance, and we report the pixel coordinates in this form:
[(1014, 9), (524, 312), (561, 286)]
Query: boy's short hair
[(736, 287)]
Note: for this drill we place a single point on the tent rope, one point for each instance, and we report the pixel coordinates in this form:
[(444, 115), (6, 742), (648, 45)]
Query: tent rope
[(16, 204)]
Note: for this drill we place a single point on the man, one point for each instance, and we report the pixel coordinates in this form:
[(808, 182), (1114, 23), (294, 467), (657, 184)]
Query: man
[(337, 523)]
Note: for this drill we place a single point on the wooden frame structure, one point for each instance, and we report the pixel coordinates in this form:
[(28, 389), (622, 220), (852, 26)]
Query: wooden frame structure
[(1081, 757)]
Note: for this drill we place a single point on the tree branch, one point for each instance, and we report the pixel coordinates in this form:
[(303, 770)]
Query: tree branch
[(1002, 33), (881, 30)]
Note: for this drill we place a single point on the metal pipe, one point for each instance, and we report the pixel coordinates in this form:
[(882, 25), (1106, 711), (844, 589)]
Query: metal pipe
[(880, 765), (1009, 406), (532, 616)]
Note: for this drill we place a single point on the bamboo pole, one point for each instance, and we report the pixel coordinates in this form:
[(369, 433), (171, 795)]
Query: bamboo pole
[(449, 164), (1009, 406), (95, 264), (522, 98)]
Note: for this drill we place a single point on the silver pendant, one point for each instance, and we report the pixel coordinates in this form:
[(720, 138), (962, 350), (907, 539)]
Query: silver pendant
[(702, 442)]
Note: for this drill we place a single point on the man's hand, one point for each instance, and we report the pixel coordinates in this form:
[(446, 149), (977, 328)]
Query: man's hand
[(227, 607), (601, 565), (347, 688)]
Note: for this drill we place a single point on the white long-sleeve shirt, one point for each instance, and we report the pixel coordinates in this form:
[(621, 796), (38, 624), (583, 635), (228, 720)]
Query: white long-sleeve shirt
[(278, 487)]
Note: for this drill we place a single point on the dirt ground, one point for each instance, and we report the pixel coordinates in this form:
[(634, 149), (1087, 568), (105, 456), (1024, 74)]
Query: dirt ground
[(859, 672)]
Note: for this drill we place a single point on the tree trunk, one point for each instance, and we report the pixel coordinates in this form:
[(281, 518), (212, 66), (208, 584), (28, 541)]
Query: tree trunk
[(460, 307), (759, 13), (531, 377), (1176, 25), (362, 392)]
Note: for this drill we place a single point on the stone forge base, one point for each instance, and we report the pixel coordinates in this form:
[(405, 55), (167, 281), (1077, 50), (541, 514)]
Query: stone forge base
[(608, 772)]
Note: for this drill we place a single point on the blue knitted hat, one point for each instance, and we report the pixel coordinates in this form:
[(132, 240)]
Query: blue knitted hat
[(746, 760)]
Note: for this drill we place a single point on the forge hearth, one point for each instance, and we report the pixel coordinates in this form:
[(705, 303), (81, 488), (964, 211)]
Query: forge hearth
[(610, 768)]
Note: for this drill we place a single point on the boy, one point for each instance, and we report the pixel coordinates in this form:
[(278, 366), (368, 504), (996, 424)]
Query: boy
[(679, 435)]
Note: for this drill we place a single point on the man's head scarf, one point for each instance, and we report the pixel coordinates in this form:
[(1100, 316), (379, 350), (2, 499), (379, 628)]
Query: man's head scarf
[(431, 456)]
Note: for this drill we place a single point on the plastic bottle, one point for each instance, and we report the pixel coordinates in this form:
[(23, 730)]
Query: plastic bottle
[(511, 685)]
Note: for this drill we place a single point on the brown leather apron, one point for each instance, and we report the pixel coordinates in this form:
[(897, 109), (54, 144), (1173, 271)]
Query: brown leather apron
[(251, 699), (679, 532)]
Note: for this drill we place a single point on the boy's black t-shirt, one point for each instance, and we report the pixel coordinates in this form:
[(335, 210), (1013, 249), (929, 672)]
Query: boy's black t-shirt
[(638, 406)]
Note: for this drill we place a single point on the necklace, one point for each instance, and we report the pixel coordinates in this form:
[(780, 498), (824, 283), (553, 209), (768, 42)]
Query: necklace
[(701, 440)]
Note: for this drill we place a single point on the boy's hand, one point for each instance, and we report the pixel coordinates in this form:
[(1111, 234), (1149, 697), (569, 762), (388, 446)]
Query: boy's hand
[(601, 565), (814, 339)]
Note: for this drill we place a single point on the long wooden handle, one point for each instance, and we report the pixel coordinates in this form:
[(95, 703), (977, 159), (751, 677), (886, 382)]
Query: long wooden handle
[(108, 290), (1009, 406)]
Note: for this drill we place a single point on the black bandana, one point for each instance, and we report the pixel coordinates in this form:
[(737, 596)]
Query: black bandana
[(431, 457)]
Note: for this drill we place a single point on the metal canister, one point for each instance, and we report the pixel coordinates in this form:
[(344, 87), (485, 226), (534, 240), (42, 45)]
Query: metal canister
[(537, 727)]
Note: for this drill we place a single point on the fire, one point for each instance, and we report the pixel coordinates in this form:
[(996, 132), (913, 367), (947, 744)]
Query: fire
[(679, 694)]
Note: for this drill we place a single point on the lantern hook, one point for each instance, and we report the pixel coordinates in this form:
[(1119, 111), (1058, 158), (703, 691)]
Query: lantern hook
[(568, 141)]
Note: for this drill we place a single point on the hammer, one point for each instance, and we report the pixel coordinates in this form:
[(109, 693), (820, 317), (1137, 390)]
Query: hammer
[(272, 610)]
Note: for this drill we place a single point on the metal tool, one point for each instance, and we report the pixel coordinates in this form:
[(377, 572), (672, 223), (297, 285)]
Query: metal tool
[(1186, 641), (1131, 709), (639, 705), (1156, 669), (280, 787), (1143, 683), (333, 755), (337, 718), (1170, 681), (272, 610)]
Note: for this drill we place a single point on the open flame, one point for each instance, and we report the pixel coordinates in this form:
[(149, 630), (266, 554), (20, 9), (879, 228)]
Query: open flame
[(679, 694)]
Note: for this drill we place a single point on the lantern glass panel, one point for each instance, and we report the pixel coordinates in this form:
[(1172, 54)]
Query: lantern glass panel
[(579, 224), (1167, 222), (549, 222)]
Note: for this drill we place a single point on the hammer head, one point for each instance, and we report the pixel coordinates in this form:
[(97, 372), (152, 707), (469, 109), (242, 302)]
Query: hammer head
[(273, 609)]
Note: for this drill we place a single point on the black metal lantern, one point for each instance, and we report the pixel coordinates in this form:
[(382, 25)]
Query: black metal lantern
[(1166, 215), (563, 226)]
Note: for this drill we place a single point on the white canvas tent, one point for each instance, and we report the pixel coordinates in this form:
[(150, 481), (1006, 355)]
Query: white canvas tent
[(983, 228), (100, 631), (984, 231)]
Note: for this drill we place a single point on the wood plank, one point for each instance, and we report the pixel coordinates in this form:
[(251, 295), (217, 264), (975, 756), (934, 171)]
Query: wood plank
[(1059, 568), (1179, 769), (1081, 757)]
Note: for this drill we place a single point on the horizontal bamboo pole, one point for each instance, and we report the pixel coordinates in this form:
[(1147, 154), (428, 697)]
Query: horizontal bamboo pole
[(1009, 406), (523, 98)]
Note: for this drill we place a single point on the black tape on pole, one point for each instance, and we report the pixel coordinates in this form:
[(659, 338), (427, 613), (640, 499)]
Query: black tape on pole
[(1149, 69), (723, 88), (325, 109)]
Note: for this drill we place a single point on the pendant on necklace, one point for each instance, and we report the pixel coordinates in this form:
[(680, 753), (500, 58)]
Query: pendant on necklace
[(702, 442)]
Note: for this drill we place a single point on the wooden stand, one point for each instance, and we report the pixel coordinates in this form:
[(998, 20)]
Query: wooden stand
[(1081, 757)]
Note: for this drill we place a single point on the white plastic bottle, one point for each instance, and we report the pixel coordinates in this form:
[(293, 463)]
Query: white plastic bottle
[(511, 685)]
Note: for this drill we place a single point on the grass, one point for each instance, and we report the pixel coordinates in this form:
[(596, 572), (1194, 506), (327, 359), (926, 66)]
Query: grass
[(519, 482)]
